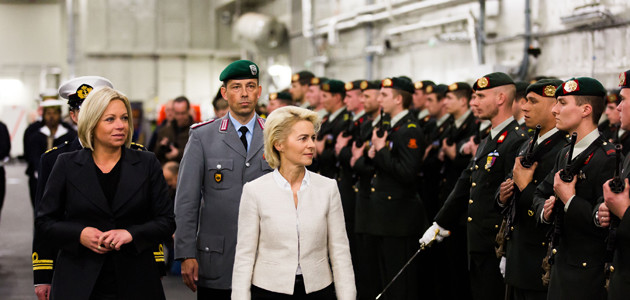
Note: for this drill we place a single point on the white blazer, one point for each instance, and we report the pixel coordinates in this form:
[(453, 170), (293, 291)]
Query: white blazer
[(267, 244)]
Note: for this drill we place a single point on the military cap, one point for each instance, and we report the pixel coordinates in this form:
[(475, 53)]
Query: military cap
[(398, 83), (459, 86), (441, 90), (492, 80), (318, 80), (405, 78), (302, 76), (614, 97), (353, 85), (77, 89), (421, 85), (281, 95), (49, 94), (240, 69), (544, 87), (521, 86), (624, 81), (333, 86), (370, 85), (581, 86), (51, 103)]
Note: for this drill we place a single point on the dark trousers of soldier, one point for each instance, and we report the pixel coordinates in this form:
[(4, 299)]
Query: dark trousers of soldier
[(3, 187), (367, 274), (32, 189), (521, 294), (299, 293), (450, 262), (486, 281), (392, 253), (204, 293)]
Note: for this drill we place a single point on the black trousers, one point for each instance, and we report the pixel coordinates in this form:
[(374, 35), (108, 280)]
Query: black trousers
[(392, 254), (328, 293), (486, 281), (521, 294), (204, 293)]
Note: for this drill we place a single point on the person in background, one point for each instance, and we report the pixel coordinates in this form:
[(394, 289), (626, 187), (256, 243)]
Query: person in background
[(314, 96), (300, 83), (5, 151), (291, 232), (172, 138), (106, 207), (277, 100), (220, 106), (168, 112)]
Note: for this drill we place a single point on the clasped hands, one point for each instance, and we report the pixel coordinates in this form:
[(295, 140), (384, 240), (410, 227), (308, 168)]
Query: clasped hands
[(103, 242)]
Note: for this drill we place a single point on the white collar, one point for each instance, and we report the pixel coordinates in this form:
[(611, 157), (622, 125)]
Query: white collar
[(376, 120), (285, 185), (584, 143), (546, 135), (358, 115), (443, 119), (335, 114), (61, 130), (399, 117), (484, 124), (423, 113), (620, 132), (494, 131), (460, 120)]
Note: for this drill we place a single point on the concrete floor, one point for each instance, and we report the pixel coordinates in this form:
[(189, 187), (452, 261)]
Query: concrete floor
[(16, 226)]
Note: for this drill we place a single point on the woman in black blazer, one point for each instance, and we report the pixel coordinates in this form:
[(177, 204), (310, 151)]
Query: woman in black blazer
[(106, 207)]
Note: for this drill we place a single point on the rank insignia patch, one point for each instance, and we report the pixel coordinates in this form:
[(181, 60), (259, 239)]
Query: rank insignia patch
[(412, 144), (502, 137), (218, 177)]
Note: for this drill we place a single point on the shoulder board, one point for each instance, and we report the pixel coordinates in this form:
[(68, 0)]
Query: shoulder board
[(261, 122), (136, 146), (411, 125), (65, 143), (193, 126), (51, 149)]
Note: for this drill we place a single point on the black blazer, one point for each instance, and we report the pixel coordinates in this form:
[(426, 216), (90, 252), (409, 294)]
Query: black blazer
[(73, 200)]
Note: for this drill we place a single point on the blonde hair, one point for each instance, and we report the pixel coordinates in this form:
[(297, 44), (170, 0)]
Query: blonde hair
[(278, 127), (92, 110)]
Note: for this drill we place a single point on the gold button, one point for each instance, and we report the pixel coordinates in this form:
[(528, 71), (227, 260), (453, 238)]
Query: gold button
[(612, 269), (496, 226), (512, 228), (584, 264), (543, 243), (535, 181), (374, 175), (372, 189), (470, 201), (476, 167), (516, 128), (389, 197), (605, 143), (469, 219), (356, 190), (554, 251), (474, 184)]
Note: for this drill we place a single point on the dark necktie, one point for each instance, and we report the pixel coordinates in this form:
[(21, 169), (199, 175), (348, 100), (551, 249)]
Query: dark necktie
[(243, 131)]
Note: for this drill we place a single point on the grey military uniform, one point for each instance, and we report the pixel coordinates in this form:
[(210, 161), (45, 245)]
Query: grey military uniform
[(213, 170)]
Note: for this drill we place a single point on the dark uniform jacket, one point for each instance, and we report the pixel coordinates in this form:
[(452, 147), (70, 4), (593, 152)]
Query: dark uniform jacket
[(579, 263), (330, 129), (527, 242), (394, 204), (475, 189), (35, 144), (73, 200), (430, 173), (176, 135), (364, 169)]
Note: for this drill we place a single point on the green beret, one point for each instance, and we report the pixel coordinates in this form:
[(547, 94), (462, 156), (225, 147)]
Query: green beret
[(398, 83), (280, 96), (459, 86), (441, 90), (240, 69), (521, 86), (581, 86), (333, 86), (492, 80), (421, 85), (370, 85), (544, 87), (624, 81), (318, 80), (614, 97), (353, 85), (302, 76)]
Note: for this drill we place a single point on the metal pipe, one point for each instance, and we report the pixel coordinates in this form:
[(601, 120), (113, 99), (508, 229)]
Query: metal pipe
[(481, 32), (522, 71), (369, 59), (71, 58)]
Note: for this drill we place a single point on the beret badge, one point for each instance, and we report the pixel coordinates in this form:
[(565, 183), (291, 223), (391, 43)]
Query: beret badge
[(482, 82), (429, 89), (295, 77), (315, 80), (273, 96), (387, 83), (83, 91), (549, 91), (452, 87), (622, 79), (571, 86), (364, 84), (349, 86), (326, 87), (418, 85)]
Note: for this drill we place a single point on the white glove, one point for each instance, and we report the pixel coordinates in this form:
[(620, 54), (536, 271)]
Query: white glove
[(502, 266), (428, 235)]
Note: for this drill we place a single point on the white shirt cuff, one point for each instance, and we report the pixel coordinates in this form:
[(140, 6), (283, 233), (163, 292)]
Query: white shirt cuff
[(566, 206)]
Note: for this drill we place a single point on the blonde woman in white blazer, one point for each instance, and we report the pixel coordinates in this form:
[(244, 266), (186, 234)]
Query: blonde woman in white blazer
[(292, 241)]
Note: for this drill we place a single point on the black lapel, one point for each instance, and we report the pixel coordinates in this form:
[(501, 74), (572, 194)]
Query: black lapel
[(131, 178), (86, 182)]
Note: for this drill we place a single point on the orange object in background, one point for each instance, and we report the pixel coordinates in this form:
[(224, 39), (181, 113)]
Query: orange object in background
[(195, 112)]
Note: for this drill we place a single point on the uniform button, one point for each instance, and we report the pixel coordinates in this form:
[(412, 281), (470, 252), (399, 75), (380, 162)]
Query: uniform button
[(554, 251), (474, 184), (247, 164), (356, 190), (374, 175), (535, 181), (206, 249), (389, 197), (470, 201), (476, 167), (372, 189), (496, 226), (512, 228), (612, 269), (584, 264), (543, 243), (469, 219), (339, 179)]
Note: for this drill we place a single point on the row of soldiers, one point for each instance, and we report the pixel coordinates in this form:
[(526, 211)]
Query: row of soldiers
[(501, 194)]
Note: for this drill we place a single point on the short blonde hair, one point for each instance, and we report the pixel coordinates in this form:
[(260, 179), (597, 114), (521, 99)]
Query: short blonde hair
[(278, 127), (92, 110)]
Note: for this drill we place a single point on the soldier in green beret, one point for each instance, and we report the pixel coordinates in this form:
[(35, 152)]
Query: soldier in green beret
[(277, 100), (578, 244), (314, 94), (474, 191), (525, 243), (300, 83), (419, 101), (517, 111)]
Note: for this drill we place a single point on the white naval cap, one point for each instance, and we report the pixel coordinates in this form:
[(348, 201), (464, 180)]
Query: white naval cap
[(49, 94), (51, 103), (77, 89)]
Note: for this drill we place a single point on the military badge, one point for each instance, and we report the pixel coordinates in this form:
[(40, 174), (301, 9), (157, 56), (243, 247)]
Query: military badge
[(502, 137), (387, 82), (549, 91), (530, 213), (429, 89), (296, 77), (326, 87), (253, 69), (452, 87), (315, 81), (571, 86), (612, 98), (83, 91), (491, 159), (273, 96), (412, 144), (482, 82), (349, 86), (364, 85), (622, 79), (218, 177), (418, 85)]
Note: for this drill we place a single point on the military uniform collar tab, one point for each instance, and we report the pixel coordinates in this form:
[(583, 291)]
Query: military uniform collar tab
[(496, 130)]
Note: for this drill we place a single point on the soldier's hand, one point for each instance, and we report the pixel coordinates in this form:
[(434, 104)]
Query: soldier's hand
[(164, 141), (378, 142), (357, 152), (466, 147), (548, 208), (42, 291), (449, 151), (341, 142), (173, 153), (617, 203), (426, 152), (523, 176), (502, 266), (564, 190), (190, 273), (90, 239), (436, 232), (603, 215), (371, 153), (506, 190), (115, 238)]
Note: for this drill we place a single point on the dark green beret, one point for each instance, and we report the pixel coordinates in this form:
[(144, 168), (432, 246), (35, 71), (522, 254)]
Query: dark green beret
[(492, 80), (459, 86), (370, 85), (614, 97), (441, 90), (281, 96), (318, 80), (521, 86), (421, 85), (302, 76), (405, 78), (581, 86), (624, 80), (398, 83), (240, 69), (333, 86), (353, 85), (544, 87)]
